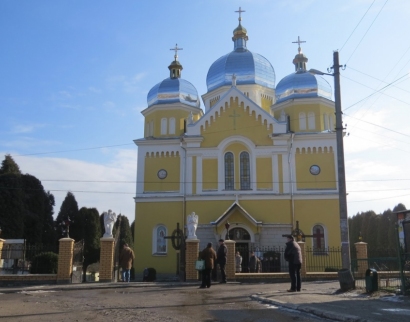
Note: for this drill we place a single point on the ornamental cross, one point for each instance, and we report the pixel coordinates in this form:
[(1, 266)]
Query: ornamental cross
[(298, 42), (240, 11), (176, 51), (234, 118)]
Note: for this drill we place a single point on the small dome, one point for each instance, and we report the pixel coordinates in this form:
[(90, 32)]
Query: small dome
[(302, 84), (173, 90)]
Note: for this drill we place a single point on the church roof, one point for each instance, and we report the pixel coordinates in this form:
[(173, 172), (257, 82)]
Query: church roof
[(231, 208)]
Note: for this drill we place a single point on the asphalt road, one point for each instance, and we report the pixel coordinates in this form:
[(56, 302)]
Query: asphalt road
[(222, 302)]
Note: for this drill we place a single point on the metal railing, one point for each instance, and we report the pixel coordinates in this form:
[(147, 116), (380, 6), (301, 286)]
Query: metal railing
[(24, 259)]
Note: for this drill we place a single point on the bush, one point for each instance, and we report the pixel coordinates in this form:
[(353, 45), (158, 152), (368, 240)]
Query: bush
[(44, 263)]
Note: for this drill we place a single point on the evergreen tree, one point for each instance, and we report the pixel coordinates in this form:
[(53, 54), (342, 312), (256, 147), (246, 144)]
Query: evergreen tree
[(11, 200), (123, 225), (68, 211), (9, 166), (92, 229), (133, 229)]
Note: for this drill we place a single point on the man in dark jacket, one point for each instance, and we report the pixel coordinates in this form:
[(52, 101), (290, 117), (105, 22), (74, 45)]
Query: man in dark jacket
[(221, 259), (209, 256), (126, 258), (293, 255)]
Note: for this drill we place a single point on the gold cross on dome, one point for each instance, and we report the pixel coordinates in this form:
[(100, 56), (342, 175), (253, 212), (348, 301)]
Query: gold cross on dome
[(298, 42), (240, 11), (176, 51)]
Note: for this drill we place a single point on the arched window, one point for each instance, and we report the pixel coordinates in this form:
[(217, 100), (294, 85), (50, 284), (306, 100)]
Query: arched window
[(159, 244), (302, 121), (172, 125), (163, 126), (326, 121), (331, 124), (239, 234), (245, 171), (229, 171), (318, 236), (151, 128), (311, 121)]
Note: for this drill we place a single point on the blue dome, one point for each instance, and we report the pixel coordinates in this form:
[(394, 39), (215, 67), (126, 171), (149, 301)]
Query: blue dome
[(248, 67), (302, 84), (173, 90)]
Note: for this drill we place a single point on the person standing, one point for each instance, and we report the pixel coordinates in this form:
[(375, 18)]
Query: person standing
[(252, 262), (221, 259), (293, 256), (126, 258), (238, 262), (209, 256)]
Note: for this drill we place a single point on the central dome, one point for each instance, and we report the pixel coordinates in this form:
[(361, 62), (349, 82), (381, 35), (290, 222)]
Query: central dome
[(248, 67)]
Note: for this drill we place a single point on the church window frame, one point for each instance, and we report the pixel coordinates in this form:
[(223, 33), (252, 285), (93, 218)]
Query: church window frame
[(164, 122), (229, 166), (245, 170), (151, 128), (319, 240), (311, 121), (159, 243), (172, 125), (302, 121), (326, 121)]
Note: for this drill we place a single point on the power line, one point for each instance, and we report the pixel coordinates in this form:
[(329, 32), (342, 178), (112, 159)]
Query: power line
[(367, 31), (357, 25)]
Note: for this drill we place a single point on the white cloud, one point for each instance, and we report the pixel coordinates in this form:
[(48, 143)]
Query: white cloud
[(103, 186)]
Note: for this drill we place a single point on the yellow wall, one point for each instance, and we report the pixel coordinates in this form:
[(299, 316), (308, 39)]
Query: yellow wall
[(326, 179), (209, 174), (194, 161), (264, 173), (280, 165), (242, 124), (147, 217), (266, 103), (170, 164)]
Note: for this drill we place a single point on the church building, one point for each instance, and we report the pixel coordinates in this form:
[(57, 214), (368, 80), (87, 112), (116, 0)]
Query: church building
[(255, 154)]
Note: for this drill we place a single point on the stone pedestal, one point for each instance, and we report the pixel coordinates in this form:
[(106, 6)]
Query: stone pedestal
[(106, 259), (230, 260), (65, 260), (361, 255), (191, 255), (303, 252)]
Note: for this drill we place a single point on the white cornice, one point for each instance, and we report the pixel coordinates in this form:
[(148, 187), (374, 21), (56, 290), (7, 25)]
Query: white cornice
[(303, 101)]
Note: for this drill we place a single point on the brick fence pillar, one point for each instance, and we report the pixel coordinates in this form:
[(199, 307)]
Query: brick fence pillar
[(65, 260), (303, 270), (192, 251), (106, 259), (361, 255), (230, 260)]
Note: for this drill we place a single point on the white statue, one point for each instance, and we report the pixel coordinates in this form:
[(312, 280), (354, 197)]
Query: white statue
[(191, 118), (192, 224), (233, 80), (109, 221)]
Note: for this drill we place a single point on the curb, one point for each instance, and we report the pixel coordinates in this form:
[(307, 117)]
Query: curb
[(307, 309)]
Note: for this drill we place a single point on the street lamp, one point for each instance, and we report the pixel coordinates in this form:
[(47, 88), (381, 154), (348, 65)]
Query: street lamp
[(227, 225), (344, 228)]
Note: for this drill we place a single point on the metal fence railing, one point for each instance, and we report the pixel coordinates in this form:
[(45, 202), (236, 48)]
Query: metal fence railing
[(25, 259), (328, 259)]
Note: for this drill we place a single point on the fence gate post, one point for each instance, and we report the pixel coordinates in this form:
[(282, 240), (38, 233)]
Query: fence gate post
[(303, 252), (230, 261), (65, 260), (361, 255), (191, 255), (106, 259)]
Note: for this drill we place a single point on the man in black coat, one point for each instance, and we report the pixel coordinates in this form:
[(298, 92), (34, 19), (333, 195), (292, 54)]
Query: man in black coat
[(293, 256), (221, 259)]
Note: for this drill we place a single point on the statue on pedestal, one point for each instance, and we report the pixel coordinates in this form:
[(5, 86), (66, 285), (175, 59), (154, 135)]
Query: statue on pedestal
[(192, 224), (109, 221)]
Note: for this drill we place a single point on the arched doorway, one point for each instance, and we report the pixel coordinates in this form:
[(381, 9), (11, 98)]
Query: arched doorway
[(242, 238)]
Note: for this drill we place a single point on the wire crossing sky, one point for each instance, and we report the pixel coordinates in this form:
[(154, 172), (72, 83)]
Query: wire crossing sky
[(76, 78)]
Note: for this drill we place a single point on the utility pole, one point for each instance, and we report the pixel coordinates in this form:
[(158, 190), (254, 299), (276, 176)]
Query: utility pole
[(344, 227)]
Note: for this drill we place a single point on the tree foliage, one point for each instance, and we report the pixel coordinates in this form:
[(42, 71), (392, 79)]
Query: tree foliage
[(68, 215), (123, 225), (377, 230), (27, 210)]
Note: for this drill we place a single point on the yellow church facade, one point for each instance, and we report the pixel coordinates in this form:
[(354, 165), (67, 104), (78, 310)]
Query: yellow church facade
[(260, 156)]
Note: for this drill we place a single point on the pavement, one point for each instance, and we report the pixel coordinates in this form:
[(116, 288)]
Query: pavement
[(320, 298)]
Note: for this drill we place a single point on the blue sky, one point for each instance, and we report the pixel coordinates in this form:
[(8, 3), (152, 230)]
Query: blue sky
[(75, 76)]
